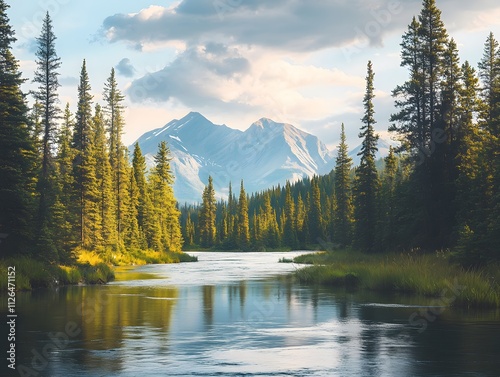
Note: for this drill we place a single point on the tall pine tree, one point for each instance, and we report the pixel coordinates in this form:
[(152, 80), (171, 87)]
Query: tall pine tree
[(16, 150), (243, 225), (343, 217), (84, 167), (367, 183), (46, 76), (117, 151), (164, 201), (207, 216), (106, 202)]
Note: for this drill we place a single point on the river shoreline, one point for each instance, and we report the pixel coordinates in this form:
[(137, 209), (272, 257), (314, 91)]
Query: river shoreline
[(432, 275)]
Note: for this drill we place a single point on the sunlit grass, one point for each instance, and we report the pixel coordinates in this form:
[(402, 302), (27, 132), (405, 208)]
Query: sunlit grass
[(415, 273), (134, 257)]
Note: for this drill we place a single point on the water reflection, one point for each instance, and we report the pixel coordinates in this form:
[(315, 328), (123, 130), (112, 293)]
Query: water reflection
[(208, 325)]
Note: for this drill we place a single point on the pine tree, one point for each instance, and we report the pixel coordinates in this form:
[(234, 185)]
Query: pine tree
[(243, 225), (409, 97), (232, 230), (289, 227), (189, 231), (139, 172), (117, 151), (106, 202), (315, 221), (420, 124), (84, 167), (447, 153), (146, 217), (268, 224), (387, 224), (164, 200), (207, 216), (343, 216), (366, 185), (489, 72), (16, 150), (64, 211), (46, 76), (479, 168), (131, 232), (300, 220)]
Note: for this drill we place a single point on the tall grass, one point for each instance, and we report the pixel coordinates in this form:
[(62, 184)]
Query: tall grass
[(422, 274), (31, 274), (131, 257)]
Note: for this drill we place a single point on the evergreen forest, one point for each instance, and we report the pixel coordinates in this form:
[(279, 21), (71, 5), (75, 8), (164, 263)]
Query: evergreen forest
[(68, 185)]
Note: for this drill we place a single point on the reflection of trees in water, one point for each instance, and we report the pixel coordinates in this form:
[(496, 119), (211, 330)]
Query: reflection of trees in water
[(107, 317), (242, 290), (208, 304), (123, 315)]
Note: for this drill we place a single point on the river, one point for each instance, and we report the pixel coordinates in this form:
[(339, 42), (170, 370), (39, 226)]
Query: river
[(237, 314)]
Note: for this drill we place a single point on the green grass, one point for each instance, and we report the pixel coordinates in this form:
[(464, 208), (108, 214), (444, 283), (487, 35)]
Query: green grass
[(131, 257), (429, 275), (31, 274), (92, 267)]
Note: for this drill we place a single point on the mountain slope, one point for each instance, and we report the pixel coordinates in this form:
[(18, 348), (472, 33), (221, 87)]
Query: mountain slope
[(265, 155)]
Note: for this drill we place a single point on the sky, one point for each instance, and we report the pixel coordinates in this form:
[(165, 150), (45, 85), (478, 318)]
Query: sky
[(235, 61)]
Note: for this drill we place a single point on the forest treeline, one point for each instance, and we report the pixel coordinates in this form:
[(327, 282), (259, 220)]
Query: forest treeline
[(66, 181), (439, 190)]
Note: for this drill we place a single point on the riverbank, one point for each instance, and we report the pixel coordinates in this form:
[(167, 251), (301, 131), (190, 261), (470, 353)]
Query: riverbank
[(90, 268), (133, 257), (432, 275), (31, 274)]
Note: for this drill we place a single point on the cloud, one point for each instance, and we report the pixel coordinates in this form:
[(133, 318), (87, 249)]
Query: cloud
[(194, 77), (218, 78), (291, 25), (125, 68)]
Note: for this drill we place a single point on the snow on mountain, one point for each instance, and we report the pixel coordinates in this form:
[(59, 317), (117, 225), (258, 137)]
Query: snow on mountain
[(266, 154)]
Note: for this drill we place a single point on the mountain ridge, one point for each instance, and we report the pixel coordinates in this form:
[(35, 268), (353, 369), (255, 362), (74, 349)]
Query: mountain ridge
[(266, 154)]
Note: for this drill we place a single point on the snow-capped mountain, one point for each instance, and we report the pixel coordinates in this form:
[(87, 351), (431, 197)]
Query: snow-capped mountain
[(266, 154)]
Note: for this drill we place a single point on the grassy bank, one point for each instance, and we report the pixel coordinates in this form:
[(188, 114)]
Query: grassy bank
[(431, 275), (91, 267), (132, 257), (31, 274)]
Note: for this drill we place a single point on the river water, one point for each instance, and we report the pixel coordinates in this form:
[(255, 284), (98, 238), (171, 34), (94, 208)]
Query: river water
[(237, 314)]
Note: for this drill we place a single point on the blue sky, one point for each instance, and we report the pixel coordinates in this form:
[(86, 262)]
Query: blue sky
[(235, 61)]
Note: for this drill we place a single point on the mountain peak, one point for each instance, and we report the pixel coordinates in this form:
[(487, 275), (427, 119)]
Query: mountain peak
[(266, 123), (193, 115)]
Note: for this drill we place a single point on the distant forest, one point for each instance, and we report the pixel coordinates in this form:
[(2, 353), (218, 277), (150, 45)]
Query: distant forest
[(67, 182)]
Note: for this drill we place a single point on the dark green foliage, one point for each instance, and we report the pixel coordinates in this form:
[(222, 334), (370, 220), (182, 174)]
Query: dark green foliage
[(164, 203), (367, 183), (343, 210), (243, 225), (118, 154), (17, 151), (207, 228)]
